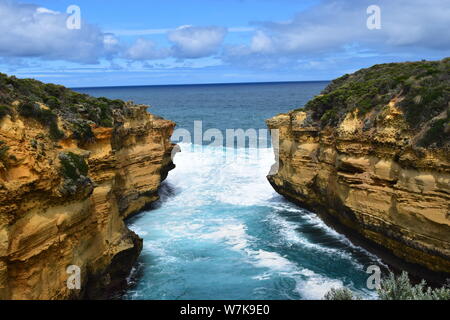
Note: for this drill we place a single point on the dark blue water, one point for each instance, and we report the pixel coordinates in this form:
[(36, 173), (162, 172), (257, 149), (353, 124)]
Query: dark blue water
[(219, 230), (220, 106)]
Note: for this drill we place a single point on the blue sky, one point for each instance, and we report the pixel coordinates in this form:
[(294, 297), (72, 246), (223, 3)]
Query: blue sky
[(212, 41)]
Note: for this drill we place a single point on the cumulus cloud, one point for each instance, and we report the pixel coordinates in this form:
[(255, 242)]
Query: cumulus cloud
[(144, 49), (32, 31), (332, 30), (185, 42), (336, 26), (196, 42)]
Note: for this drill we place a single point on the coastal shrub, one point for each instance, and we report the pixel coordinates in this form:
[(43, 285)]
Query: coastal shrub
[(55, 132), (396, 288), (46, 117), (330, 117), (73, 166), (437, 134), (54, 90), (4, 111), (82, 131), (76, 110), (52, 102), (424, 89), (400, 288), (3, 152), (340, 294)]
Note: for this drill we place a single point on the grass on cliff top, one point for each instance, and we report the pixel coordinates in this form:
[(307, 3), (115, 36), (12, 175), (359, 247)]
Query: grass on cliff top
[(79, 110), (424, 87)]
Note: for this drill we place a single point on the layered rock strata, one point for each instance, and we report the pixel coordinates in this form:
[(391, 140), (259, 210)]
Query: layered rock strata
[(64, 199), (373, 154)]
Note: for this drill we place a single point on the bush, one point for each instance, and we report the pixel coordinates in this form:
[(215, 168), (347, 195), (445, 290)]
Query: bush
[(46, 117), (4, 111), (396, 288), (424, 87), (400, 288), (436, 134), (73, 166), (340, 294), (3, 152), (52, 102), (82, 131), (75, 109)]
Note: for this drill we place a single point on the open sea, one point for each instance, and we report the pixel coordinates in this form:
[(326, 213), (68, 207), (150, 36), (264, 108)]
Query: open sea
[(219, 230)]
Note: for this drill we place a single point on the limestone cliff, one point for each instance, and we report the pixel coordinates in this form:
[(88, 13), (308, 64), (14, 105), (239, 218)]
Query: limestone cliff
[(72, 167), (372, 152)]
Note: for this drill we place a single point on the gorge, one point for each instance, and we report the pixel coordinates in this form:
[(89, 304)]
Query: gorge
[(84, 182)]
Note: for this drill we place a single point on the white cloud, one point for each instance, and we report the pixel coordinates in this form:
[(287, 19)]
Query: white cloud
[(45, 10), (261, 42), (188, 42), (33, 31), (144, 49), (148, 32), (196, 42), (140, 32), (334, 26), (332, 29)]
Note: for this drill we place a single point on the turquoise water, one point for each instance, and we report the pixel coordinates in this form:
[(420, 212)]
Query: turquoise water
[(219, 230)]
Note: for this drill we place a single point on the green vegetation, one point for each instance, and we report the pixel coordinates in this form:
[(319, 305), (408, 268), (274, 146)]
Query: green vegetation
[(46, 117), (340, 294), (396, 288), (78, 111), (423, 88), (73, 166), (5, 110), (3, 152), (439, 133), (82, 131), (400, 288)]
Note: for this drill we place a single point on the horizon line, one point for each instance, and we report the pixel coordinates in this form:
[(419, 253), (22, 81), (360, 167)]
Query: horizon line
[(200, 84)]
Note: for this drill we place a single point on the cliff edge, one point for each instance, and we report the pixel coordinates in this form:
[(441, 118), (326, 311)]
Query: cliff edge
[(72, 167), (372, 152)]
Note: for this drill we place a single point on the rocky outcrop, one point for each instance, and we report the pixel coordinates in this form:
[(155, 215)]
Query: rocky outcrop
[(361, 160), (64, 197)]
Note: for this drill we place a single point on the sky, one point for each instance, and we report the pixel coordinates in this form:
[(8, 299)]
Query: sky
[(154, 42)]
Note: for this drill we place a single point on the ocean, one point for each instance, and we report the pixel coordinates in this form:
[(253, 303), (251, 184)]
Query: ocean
[(219, 230)]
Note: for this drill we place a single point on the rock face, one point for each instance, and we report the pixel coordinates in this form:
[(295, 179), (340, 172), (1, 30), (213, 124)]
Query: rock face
[(365, 152), (64, 198)]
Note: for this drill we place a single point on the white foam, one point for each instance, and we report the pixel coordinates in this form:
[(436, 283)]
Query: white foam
[(271, 260), (207, 180), (308, 284), (238, 179), (314, 287), (290, 235), (232, 234)]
